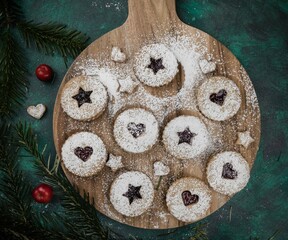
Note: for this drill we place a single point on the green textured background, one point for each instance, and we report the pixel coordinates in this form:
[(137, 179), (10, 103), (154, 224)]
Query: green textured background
[(257, 33)]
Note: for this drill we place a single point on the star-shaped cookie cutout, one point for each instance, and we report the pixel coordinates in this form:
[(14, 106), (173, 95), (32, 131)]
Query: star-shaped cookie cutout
[(82, 97), (127, 85), (156, 64), (133, 193), (186, 136), (114, 162), (244, 139)]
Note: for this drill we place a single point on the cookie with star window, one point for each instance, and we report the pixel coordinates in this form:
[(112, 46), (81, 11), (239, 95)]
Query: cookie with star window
[(132, 193), (84, 98), (155, 65), (186, 137)]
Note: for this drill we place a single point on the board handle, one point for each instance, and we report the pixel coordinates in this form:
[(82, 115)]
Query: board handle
[(152, 11)]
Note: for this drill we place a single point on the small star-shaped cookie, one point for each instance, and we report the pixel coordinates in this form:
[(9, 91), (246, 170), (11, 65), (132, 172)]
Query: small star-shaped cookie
[(82, 97), (114, 162), (156, 64), (133, 193), (244, 139), (127, 85), (186, 136)]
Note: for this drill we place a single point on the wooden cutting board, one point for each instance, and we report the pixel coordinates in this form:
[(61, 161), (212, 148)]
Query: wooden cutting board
[(150, 21)]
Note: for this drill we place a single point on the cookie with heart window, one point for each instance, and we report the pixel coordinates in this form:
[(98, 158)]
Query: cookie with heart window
[(228, 172), (188, 199), (219, 98), (84, 154), (136, 130)]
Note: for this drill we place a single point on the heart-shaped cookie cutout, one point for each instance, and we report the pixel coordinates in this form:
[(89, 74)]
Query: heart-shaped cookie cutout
[(83, 153), (117, 55), (36, 111), (219, 97), (160, 169), (136, 129), (189, 198), (228, 172), (207, 66)]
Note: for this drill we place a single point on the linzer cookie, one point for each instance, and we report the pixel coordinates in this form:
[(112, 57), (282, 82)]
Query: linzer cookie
[(188, 199), (136, 130), (186, 137), (155, 65), (228, 172), (219, 98), (84, 98), (132, 193), (84, 154)]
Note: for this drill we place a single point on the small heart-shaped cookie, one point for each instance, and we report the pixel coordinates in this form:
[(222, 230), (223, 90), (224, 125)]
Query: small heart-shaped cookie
[(228, 172), (206, 66), (136, 129), (117, 55), (219, 97), (189, 198), (83, 153), (37, 111), (160, 169)]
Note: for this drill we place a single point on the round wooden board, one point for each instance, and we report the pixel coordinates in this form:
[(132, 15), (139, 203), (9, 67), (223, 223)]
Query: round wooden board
[(152, 21)]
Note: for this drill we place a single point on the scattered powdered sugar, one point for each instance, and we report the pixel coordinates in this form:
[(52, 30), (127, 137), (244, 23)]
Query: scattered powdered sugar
[(192, 212), (93, 164), (223, 185), (120, 187)]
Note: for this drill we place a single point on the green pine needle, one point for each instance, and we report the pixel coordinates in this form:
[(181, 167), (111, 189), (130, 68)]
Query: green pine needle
[(52, 37), (13, 81)]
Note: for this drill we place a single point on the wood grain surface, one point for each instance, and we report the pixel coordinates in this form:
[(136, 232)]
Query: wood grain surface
[(150, 21)]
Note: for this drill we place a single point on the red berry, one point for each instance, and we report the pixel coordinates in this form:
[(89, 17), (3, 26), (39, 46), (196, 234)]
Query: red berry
[(44, 73), (43, 193)]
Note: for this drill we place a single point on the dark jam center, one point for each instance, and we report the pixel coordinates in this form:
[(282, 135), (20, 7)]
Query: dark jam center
[(136, 129), (219, 97), (133, 193), (228, 172), (82, 97), (189, 198), (83, 153), (156, 65), (186, 136)]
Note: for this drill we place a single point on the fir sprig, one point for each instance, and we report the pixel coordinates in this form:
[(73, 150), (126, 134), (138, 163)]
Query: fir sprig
[(12, 75), (82, 215), (199, 232), (16, 218), (50, 38)]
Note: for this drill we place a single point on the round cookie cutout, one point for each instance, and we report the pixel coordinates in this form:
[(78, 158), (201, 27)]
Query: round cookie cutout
[(136, 130), (228, 172), (132, 193), (155, 65), (188, 199), (186, 137), (219, 98), (84, 98), (84, 154)]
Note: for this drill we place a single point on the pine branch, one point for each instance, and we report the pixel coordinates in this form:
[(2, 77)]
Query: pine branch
[(199, 232), (10, 12), (53, 37), (12, 75), (83, 220), (16, 219)]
